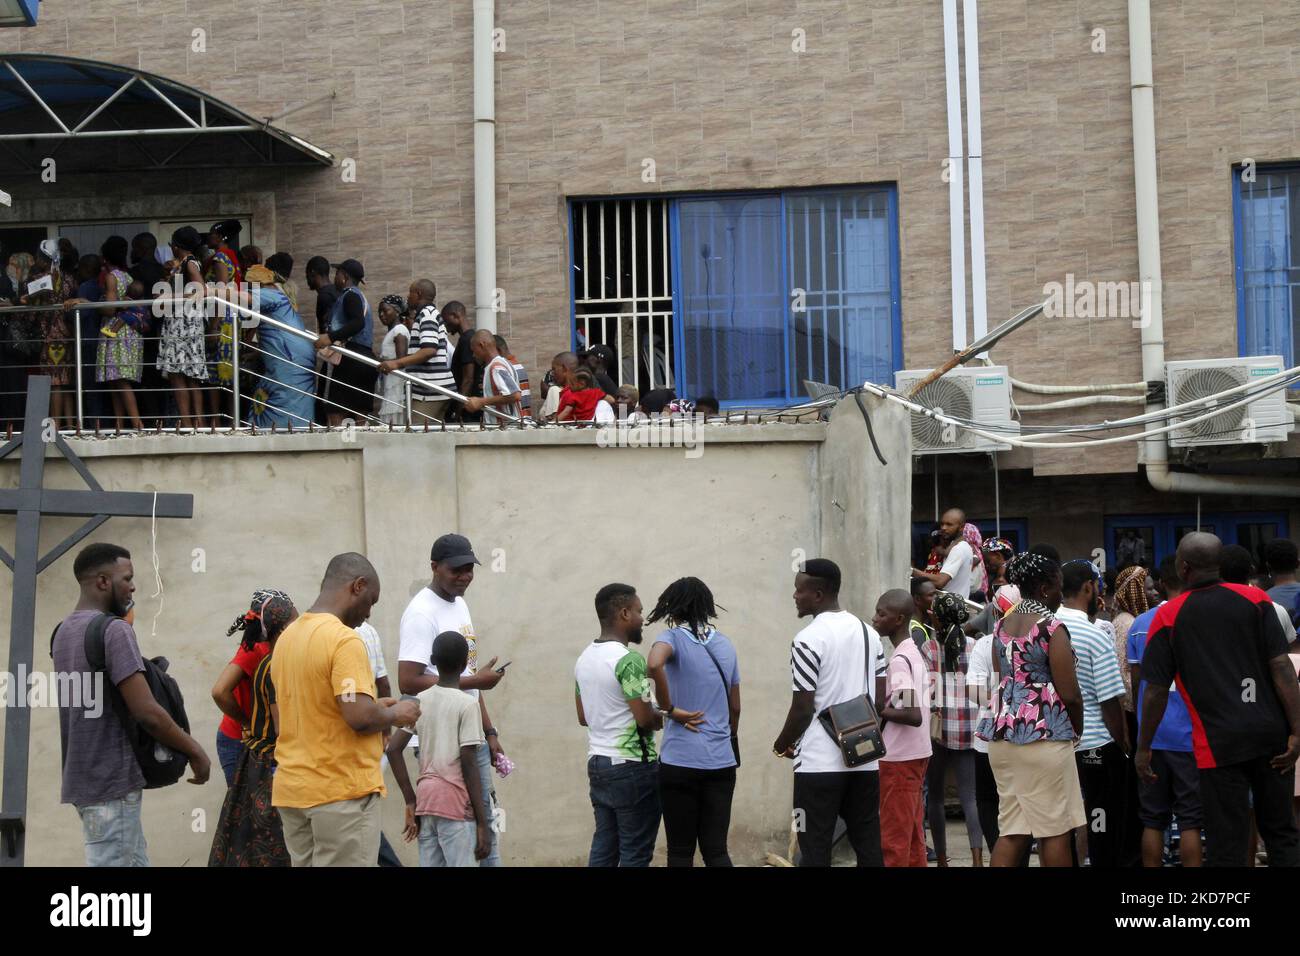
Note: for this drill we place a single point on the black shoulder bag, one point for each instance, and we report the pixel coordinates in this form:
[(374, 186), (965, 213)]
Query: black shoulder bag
[(726, 695), (854, 724), (160, 765)]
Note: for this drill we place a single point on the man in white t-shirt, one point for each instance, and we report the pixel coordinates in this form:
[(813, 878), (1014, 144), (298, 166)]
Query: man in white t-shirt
[(955, 575), (835, 658), (441, 607), (375, 651)]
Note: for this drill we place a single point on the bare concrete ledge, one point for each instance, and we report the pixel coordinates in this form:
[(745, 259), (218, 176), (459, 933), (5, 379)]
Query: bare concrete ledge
[(245, 442)]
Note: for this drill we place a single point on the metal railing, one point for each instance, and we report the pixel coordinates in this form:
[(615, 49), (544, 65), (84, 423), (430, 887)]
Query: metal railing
[(236, 393), (161, 413)]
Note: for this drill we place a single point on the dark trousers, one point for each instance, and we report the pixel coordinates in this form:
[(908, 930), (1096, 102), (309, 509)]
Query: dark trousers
[(986, 798), (853, 796), (1225, 799), (697, 809), (625, 798), (387, 855), (1103, 774)]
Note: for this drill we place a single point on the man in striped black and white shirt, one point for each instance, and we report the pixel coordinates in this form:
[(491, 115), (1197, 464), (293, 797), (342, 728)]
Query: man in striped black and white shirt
[(835, 658), (1103, 751), (429, 358)]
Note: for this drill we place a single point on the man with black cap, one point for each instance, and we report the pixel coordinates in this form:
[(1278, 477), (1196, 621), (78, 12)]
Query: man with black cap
[(441, 607), (349, 328)]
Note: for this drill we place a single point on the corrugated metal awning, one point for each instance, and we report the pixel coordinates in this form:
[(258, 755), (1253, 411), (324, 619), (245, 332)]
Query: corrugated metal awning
[(99, 117)]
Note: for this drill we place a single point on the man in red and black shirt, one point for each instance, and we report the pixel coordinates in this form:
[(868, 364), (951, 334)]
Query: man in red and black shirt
[(1224, 646)]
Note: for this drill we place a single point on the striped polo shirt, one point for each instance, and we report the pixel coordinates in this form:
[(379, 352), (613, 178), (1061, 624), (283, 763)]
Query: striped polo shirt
[(1097, 669), (428, 332)]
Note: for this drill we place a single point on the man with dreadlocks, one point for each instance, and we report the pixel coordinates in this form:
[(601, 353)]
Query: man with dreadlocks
[(249, 831), (232, 693), (697, 685), (1037, 714)]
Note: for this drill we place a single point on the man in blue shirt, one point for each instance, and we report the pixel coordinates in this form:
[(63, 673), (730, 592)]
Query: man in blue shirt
[(1176, 790)]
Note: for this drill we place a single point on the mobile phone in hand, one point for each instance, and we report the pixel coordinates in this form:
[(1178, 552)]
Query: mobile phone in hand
[(502, 668)]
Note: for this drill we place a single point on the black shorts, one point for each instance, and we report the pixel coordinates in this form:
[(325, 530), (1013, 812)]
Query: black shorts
[(1176, 792)]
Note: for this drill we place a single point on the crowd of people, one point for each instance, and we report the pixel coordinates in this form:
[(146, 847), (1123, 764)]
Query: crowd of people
[(1110, 727), (179, 360)]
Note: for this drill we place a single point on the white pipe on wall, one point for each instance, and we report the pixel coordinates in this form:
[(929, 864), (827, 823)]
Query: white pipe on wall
[(485, 176), (975, 161), (1155, 451), (956, 202)]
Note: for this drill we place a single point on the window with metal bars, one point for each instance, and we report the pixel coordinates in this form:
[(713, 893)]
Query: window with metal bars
[(1267, 226), (742, 296)]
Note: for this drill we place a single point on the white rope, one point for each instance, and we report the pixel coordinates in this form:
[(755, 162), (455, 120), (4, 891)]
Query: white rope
[(157, 574)]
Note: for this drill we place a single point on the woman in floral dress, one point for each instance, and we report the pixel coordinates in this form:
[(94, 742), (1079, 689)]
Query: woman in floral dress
[(58, 351), (182, 353), (120, 357), (1037, 716)]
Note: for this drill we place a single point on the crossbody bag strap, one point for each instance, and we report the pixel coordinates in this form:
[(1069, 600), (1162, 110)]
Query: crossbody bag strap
[(726, 687)]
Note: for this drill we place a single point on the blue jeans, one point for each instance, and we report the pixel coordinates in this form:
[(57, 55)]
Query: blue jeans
[(446, 842), (489, 803), (625, 798), (113, 833), (228, 751)]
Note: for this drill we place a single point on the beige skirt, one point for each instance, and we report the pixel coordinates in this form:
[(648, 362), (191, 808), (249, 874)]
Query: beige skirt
[(1038, 788)]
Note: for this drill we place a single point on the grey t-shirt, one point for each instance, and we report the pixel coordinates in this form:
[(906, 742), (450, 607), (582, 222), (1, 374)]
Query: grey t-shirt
[(99, 764)]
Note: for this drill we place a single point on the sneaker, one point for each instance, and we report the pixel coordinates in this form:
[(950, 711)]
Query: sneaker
[(931, 856)]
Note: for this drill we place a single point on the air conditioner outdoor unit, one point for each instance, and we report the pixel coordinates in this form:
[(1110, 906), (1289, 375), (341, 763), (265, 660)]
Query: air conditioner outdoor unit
[(981, 395), (1266, 419)]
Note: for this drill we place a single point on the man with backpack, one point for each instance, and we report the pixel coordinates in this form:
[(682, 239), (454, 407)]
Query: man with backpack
[(103, 731)]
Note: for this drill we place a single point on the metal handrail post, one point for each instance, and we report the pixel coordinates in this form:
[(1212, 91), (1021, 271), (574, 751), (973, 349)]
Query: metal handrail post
[(408, 402), (236, 326), (76, 325)]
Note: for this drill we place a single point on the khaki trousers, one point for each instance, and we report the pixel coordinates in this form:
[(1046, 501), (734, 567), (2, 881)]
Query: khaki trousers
[(343, 833)]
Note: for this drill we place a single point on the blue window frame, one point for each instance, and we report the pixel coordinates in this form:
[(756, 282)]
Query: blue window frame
[(1151, 537), (771, 288), (1266, 223)]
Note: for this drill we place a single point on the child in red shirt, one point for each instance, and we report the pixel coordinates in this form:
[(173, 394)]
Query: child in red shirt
[(579, 398)]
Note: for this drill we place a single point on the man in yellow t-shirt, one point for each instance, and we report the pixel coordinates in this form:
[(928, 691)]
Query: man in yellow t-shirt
[(328, 784)]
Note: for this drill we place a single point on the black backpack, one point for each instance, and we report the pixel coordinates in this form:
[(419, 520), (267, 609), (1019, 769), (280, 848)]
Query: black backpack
[(160, 765)]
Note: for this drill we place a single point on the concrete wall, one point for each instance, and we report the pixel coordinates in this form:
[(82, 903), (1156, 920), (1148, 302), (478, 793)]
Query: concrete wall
[(713, 92), (552, 516)]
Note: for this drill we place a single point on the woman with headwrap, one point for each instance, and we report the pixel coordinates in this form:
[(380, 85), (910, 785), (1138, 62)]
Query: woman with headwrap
[(232, 693), (1135, 593), (996, 553), (1037, 716), (952, 729), (391, 391), (249, 832), (285, 392)]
